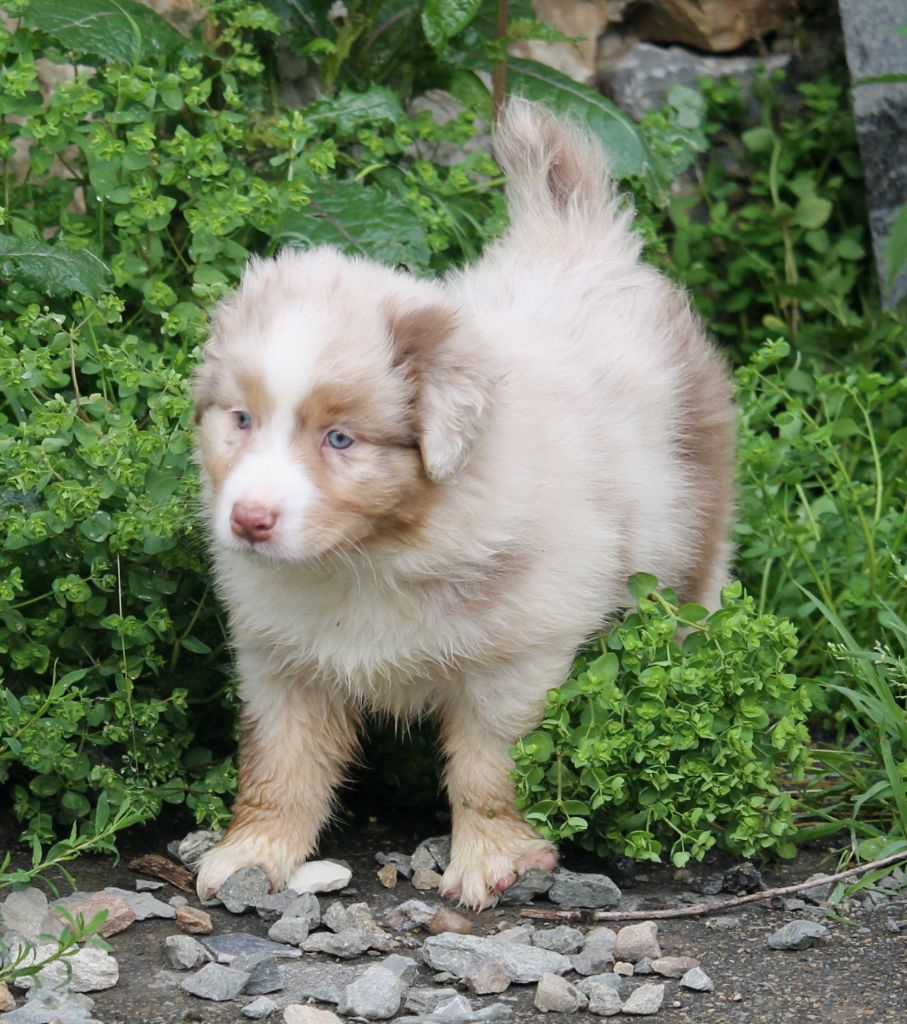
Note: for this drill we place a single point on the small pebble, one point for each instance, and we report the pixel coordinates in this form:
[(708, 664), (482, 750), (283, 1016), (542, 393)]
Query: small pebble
[(215, 982), (645, 1000), (698, 980), (297, 1013), (562, 939), (6, 1000), (634, 941), (184, 952), (243, 889), (798, 935), (291, 930), (624, 969), (193, 921), (425, 880), (260, 1008), (555, 994), (387, 876), (178, 901), (674, 966), (446, 920), (147, 885), (320, 876)]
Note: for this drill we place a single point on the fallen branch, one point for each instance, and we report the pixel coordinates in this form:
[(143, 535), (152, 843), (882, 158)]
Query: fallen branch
[(698, 909)]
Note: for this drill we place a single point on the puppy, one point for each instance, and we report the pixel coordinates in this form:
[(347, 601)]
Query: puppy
[(424, 495)]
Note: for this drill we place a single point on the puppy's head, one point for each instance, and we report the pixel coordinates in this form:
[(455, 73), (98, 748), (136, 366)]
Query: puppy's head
[(334, 399)]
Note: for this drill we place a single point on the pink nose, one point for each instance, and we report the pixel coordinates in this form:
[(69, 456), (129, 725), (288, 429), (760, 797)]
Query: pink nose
[(253, 523)]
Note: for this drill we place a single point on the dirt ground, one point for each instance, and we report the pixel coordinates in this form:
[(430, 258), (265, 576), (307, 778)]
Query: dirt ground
[(859, 975)]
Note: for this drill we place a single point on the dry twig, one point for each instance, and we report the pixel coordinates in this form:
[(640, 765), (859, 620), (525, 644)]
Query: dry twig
[(698, 909)]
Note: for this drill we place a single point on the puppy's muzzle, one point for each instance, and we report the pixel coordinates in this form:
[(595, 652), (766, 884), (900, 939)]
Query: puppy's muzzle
[(253, 523)]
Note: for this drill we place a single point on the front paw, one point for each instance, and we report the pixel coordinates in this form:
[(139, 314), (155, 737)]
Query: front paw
[(244, 851), (484, 863)]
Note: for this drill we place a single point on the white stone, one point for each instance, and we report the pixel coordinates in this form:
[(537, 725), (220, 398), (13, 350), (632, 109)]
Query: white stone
[(92, 970), (297, 1013), (320, 876)]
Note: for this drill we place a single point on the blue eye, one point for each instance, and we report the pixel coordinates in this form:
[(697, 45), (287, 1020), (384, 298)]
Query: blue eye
[(337, 439), (243, 419)]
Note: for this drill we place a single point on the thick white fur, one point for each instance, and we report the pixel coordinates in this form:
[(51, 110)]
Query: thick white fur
[(553, 427)]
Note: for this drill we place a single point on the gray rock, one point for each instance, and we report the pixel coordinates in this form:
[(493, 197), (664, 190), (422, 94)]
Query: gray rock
[(343, 944), (422, 1001), (634, 941), (521, 933), (644, 966), (601, 938), (315, 979), (432, 854), (487, 976), (798, 935), (624, 968), (260, 1008), (411, 914), (874, 47), (562, 939), (226, 948), (792, 906), (265, 976), (143, 904), (696, 979), (306, 907), (639, 79), (557, 995), (374, 996), (243, 889), (147, 885), (356, 917), (744, 877), (406, 969), (177, 901), (184, 952), (292, 931), (528, 886), (401, 861), (458, 954), (49, 1006), (24, 912), (215, 982), (276, 904), (455, 1011), (645, 1000), (592, 892), (603, 993), (819, 892), (192, 848), (592, 960)]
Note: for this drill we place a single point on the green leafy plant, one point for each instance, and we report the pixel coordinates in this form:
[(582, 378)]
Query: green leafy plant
[(655, 746)]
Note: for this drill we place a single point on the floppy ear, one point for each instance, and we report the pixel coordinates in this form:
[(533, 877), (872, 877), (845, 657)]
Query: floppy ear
[(452, 382)]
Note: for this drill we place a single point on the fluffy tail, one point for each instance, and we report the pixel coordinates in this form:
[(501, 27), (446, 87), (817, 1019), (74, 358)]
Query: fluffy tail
[(559, 180)]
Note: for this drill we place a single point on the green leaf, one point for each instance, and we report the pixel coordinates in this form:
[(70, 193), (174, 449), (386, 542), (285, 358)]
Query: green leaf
[(627, 154), (896, 246), (443, 19), (360, 219), (52, 269), (350, 110), (641, 584), (115, 30), (758, 140), (812, 211)]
